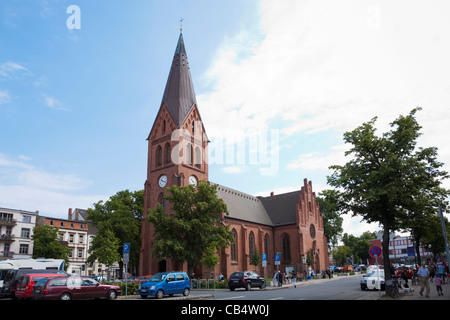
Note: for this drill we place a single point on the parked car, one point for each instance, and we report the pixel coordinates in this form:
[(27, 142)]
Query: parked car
[(373, 280), (68, 288), (142, 279), (26, 283), (165, 283), (246, 279), (13, 276)]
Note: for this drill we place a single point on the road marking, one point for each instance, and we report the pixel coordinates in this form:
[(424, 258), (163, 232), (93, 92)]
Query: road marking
[(231, 298), (277, 298)]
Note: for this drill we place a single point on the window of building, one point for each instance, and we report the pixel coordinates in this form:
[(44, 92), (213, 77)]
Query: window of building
[(233, 248), (26, 219), (23, 249), (159, 156), (286, 247), (167, 153), (251, 243), (25, 233)]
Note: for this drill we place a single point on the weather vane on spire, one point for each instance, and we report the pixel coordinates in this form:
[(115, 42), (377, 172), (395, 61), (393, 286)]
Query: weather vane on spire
[(181, 24)]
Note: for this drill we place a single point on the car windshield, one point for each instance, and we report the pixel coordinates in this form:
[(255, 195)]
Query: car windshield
[(376, 273), (237, 275), (158, 277)]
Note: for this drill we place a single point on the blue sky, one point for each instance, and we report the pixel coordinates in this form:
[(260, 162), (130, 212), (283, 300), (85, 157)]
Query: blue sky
[(76, 106)]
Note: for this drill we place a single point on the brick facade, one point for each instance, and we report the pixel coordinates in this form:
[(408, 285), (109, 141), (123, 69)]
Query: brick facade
[(289, 223)]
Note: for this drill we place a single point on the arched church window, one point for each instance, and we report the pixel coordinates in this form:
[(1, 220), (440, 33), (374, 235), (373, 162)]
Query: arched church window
[(161, 201), (286, 247), (167, 153), (198, 158), (266, 244), (159, 156), (233, 248), (251, 243)]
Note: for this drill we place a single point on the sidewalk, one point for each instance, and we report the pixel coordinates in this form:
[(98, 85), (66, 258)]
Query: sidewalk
[(416, 295)]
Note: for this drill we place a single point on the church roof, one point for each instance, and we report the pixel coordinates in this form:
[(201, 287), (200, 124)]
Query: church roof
[(179, 95), (273, 211), (243, 206)]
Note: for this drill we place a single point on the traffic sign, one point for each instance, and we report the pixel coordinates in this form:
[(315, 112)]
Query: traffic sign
[(375, 251), (277, 259), (126, 253), (410, 251)]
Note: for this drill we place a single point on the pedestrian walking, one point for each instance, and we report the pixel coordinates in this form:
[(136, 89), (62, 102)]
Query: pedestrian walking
[(294, 279), (438, 282), (404, 277), (424, 275)]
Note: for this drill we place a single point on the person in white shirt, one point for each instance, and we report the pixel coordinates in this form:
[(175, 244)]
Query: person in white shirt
[(424, 275)]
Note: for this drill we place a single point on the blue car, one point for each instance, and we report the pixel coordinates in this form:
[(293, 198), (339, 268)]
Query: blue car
[(165, 283)]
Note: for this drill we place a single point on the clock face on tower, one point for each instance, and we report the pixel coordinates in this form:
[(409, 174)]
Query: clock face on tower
[(193, 180), (162, 181)]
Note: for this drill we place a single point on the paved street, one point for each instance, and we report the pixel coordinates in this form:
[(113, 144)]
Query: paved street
[(338, 288)]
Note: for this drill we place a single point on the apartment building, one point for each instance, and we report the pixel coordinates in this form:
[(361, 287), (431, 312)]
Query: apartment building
[(74, 235), (16, 229)]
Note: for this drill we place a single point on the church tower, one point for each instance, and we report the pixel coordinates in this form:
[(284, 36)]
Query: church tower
[(177, 150)]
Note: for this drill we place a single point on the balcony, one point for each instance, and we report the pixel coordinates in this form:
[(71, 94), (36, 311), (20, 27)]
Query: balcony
[(6, 238), (8, 222)]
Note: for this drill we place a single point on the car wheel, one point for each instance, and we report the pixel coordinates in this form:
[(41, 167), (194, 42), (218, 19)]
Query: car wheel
[(232, 288), (248, 286), (144, 296), (186, 292), (65, 296), (111, 295), (159, 294)]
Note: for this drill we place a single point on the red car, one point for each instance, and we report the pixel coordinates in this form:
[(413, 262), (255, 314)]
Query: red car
[(27, 281), (68, 288)]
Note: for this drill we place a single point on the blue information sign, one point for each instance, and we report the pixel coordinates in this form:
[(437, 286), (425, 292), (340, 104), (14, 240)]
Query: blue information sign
[(126, 248)]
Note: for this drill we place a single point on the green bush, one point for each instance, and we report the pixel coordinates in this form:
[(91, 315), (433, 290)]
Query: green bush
[(132, 287)]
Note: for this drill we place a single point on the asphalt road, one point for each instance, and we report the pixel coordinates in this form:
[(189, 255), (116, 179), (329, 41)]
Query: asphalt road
[(339, 288)]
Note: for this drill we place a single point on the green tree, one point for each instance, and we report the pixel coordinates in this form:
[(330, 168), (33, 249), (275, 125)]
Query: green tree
[(47, 244), (385, 176), (255, 257), (332, 221), (341, 254), (359, 246), (105, 248), (122, 215), (433, 237), (194, 228)]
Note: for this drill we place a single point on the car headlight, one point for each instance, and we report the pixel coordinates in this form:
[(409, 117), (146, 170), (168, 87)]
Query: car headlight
[(152, 288)]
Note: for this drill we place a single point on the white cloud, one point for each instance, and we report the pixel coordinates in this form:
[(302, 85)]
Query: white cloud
[(4, 97), (54, 103), (320, 161), (12, 70), (328, 66), (22, 186), (232, 170)]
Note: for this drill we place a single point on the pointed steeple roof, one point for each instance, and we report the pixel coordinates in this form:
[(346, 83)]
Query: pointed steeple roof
[(179, 95)]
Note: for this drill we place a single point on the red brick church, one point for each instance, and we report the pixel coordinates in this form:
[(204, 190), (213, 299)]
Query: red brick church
[(290, 224)]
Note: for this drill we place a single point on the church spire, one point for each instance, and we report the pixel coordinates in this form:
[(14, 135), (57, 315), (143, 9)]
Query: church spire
[(179, 95)]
